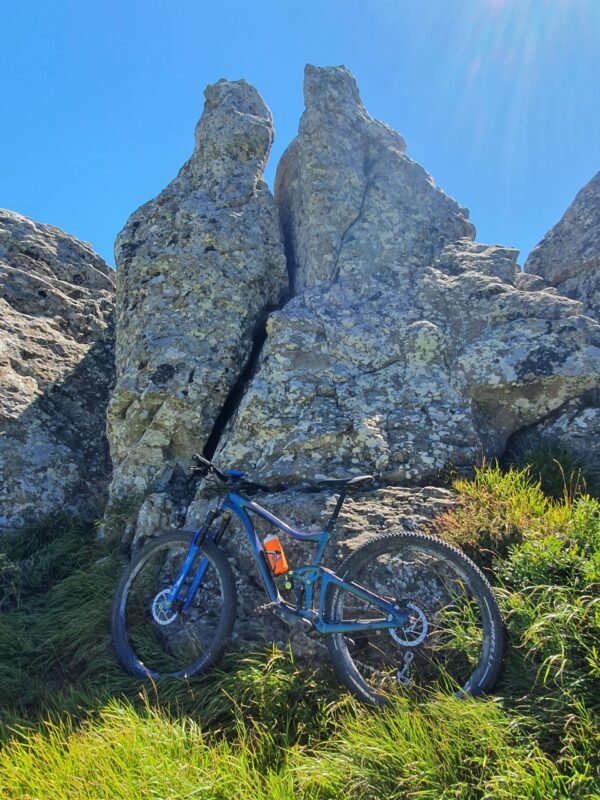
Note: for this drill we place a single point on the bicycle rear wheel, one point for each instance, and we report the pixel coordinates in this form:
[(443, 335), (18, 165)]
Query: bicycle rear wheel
[(454, 639), (152, 640)]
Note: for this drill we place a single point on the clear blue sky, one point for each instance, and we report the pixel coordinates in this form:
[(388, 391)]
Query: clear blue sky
[(498, 99)]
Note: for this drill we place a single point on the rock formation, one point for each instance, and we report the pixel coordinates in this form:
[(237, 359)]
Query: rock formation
[(407, 345), (353, 326), (56, 371), (198, 268), (567, 260), (568, 257)]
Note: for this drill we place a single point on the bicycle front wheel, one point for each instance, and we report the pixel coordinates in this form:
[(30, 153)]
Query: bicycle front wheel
[(154, 640), (454, 636)]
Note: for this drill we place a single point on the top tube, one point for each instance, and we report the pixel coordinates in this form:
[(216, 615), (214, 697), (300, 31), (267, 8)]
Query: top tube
[(238, 502)]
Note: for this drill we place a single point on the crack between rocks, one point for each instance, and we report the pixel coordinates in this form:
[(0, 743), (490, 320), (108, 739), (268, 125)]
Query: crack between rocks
[(371, 371), (259, 337), (290, 260), (389, 363), (336, 267), (236, 393)]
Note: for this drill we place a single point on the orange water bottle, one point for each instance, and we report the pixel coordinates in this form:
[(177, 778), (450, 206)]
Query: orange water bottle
[(275, 554)]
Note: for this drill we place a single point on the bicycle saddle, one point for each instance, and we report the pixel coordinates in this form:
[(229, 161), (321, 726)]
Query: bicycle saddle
[(347, 483)]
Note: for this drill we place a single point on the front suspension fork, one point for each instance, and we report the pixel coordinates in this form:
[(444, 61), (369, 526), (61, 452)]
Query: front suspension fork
[(199, 537)]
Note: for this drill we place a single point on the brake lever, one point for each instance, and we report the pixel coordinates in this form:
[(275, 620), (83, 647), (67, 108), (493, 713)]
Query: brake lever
[(204, 466)]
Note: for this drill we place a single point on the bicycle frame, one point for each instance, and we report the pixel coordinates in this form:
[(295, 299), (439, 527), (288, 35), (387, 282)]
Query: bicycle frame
[(311, 576)]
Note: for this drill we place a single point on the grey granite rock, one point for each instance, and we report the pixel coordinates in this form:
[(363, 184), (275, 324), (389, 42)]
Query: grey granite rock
[(568, 257), (526, 282), (574, 430), (198, 268), (346, 176), (408, 345), (56, 371)]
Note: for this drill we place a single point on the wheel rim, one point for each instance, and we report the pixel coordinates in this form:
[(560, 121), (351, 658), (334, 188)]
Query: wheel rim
[(442, 604), (168, 640)]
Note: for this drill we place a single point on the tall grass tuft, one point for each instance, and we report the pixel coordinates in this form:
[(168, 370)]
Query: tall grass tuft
[(544, 556), (495, 510), (561, 472)]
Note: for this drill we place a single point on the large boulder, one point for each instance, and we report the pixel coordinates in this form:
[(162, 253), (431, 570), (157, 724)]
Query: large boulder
[(56, 371), (407, 345), (567, 260), (568, 257), (198, 269)]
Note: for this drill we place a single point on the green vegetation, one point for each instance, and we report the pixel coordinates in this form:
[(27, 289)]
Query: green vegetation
[(558, 470), (262, 726)]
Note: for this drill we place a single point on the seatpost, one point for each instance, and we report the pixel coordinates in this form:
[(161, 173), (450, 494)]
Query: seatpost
[(336, 511)]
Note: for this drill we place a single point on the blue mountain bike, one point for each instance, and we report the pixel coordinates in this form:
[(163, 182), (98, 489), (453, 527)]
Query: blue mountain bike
[(404, 609)]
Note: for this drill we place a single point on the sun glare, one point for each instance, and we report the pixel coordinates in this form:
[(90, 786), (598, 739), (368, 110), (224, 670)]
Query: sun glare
[(519, 51)]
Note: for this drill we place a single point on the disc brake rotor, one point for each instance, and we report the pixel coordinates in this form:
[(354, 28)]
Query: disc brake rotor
[(163, 611), (414, 633)]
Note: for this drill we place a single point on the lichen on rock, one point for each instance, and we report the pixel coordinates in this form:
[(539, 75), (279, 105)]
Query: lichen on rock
[(198, 268), (56, 371), (568, 257)]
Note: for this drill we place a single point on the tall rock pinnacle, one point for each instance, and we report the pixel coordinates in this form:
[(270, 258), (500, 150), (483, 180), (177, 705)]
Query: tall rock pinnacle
[(197, 269), (346, 176)]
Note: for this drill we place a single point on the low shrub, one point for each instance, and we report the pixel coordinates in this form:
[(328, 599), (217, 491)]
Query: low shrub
[(495, 510)]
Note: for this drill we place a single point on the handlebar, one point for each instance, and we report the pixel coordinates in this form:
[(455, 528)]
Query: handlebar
[(204, 466), (231, 476)]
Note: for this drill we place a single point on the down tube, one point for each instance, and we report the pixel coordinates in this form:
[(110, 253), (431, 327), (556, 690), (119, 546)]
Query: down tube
[(257, 549)]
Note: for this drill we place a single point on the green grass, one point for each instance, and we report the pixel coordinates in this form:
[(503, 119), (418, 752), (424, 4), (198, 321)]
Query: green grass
[(560, 472), (263, 726), (447, 748)]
